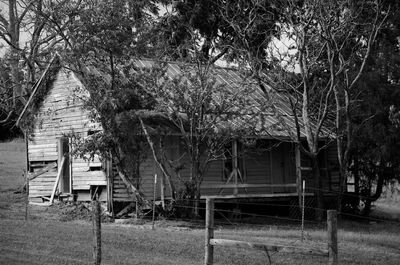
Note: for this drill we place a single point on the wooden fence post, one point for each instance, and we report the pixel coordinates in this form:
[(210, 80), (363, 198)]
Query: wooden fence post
[(154, 200), (209, 249), (27, 195), (96, 232), (332, 237), (303, 198)]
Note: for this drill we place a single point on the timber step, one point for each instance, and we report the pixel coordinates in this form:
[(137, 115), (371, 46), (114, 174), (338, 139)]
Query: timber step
[(60, 197)]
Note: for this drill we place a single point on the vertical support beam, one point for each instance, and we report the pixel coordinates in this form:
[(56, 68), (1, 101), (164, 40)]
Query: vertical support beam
[(69, 142), (154, 199), (332, 237), (209, 249), (162, 191), (27, 172), (27, 196), (96, 231), (302, 209), (298, 170), (110, 189), (60, 152), (235, 166), (26, 150)]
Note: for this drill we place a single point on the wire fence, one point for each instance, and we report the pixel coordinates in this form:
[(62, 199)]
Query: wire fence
[(232, 218)]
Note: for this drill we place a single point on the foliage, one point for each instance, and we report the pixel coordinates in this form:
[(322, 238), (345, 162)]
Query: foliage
[(28, 43), (375, 154), (216, 24), (101, 39), (205, 112)]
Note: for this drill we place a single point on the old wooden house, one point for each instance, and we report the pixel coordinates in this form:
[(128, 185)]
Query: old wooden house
[(267, 166)]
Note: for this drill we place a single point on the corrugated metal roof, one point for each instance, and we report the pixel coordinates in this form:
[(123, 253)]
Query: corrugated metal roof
[(271, 113)]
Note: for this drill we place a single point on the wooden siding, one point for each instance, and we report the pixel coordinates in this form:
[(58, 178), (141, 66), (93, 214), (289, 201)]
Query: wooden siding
[(333, 167), (263, 167), (274, 165), (61, 113), (147, 171)]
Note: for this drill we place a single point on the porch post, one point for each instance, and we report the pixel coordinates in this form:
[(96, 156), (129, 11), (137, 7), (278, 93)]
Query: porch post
[(235, 165), (110, 182), (60, 151), (298, 170)]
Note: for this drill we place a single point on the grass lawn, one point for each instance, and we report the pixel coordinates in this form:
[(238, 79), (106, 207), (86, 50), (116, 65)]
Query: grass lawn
[(45, 239), (12, 164)]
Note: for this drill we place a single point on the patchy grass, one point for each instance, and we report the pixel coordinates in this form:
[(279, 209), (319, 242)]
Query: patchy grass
[(12, 164), (46, 241)]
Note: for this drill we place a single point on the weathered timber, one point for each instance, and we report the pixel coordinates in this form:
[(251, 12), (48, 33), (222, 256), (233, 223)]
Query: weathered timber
[(256, 195), (60, 170), (269, 247), (125, 210), (209, 247), (96, 218), (246, 185), (27, 195), (42, 171), (332, 237)]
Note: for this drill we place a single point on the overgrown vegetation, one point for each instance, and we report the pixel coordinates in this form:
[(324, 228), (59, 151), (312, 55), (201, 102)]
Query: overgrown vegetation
[(336, 62)]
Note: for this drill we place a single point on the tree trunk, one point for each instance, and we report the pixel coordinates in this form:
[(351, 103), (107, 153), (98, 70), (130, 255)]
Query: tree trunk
[(319, 195), (13, 30), (196, 212)]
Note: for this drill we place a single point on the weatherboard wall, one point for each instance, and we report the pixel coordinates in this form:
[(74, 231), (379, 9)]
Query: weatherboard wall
[(274, 165), (61, 114)]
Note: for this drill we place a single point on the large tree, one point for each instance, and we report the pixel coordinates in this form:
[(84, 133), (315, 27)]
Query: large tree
[(101, 40), (317, 60), (374, 157), (27, 44), (205, 113)]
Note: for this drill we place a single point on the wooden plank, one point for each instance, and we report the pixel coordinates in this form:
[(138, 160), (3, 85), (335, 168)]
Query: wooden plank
[(269, 247), (245, 185), (43, 157), (42, 171), (61, 123), (89, 174), (40, 185), (81, 187), (92, 182), (332, 237), (42, 146), (42, 152), (50, 174), (261, 195), (60, 129), (89, 179), (57, 179), (209, 247), (56, 133)]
